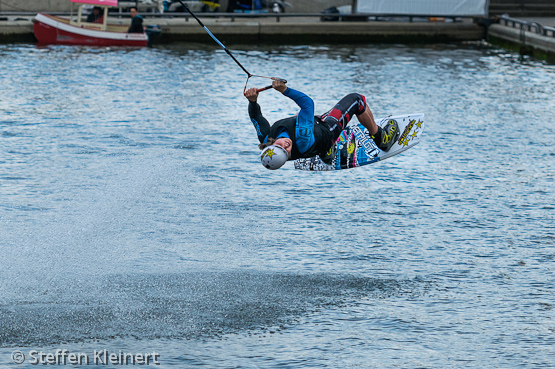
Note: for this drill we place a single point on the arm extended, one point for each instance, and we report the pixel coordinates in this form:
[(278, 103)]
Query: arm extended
[(304, 127), (260, 123)]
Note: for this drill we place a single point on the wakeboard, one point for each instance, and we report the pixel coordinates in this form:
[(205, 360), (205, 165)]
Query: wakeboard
[(355, 148)]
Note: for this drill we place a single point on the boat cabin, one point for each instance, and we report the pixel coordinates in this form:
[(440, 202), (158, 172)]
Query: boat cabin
[(78, 21)]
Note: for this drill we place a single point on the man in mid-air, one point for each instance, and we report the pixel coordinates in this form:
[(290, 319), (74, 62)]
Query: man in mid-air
[(306, 135)]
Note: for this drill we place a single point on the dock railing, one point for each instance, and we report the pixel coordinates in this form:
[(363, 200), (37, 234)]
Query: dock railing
[(527, 26), (362, 17)]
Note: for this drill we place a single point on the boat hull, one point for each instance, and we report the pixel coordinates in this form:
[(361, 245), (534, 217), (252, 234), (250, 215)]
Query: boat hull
[(50, 30)]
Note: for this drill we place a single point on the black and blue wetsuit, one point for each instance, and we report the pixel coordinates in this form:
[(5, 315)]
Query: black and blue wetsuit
[(311, 135)]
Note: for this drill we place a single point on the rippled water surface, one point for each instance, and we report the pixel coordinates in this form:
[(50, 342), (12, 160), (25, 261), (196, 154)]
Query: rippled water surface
[(135, 217)]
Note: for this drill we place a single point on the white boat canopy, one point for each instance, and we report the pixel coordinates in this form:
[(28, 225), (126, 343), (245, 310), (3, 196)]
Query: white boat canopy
[(424, 7)]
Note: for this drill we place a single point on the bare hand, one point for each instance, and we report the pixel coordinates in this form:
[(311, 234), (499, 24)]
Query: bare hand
[(252, 94), (279, 85)]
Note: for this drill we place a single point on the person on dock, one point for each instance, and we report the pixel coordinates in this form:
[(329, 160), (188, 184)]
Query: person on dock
[(136, 22), (306, 135)]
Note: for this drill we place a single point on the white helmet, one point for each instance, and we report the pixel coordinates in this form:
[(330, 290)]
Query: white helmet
[(273, 157)]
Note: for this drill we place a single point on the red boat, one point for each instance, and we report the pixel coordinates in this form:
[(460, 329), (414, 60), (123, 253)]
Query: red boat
[(57, 30)]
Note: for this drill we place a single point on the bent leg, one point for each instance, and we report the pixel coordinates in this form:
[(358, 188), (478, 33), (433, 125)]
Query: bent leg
[(383, 137), (352, 104), (367, 120)]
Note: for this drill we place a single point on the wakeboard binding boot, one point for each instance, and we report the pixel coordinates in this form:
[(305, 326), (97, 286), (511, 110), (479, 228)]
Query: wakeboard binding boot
[(387, 136)]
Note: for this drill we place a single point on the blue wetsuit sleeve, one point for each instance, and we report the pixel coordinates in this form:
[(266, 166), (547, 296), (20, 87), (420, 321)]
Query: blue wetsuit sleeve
[(304, 127), (260, 123)]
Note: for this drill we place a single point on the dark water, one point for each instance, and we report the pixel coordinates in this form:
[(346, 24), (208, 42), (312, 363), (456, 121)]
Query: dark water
[(134, 215)]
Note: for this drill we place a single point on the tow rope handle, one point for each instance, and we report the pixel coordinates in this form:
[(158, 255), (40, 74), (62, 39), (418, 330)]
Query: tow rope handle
[(269, 87)]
